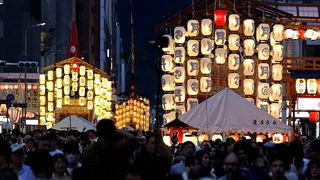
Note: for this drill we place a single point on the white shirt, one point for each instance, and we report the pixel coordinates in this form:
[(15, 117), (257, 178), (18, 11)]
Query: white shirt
[(26, 173)]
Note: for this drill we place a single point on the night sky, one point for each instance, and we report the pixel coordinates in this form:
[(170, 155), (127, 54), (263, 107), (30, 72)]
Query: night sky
[(146, 15)]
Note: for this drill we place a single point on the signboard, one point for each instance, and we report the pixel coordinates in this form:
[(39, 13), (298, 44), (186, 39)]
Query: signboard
[(308, 104)]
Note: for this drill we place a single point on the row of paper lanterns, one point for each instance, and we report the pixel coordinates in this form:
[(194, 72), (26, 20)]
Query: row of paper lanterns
[(302, 34), (309, 86)]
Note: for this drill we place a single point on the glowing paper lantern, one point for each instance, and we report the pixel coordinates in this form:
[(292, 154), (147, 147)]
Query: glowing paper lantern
[(248, 27), (233, 61), (82, 81), (89, 74), (263, 90), (59, 83), (288, 33), (50, 96), (275, 92), (207, 46), (205, 84), (179, 74), (220, 37), (220, 17), (263, 71), (82, 70), (82, 101), (275, 110), (189, 137), (313, 117), (277, 52), (248, 86), (192, 86), (203, 137), (192, 102), (193, 47), (90, 84), (168, 102), (42, 79), (193, 67), (206, 27), (66, 79), (50, 106), (301, 86), (260, 138), (89, 105), (97, 79), (42, 89), (42, 110), (312, 86), (278, 32), (277, 72), (74, 76), (169, 47), (66, 69), (179, 34), (193, 28), (50, 75), (169, 116), (278, 139), (180, 109), (58, 72), (205, 65), (216, 136), (50, 85), (263, 32), (234, 42), (59, 103), (179, 55), (42, 100), (66, 90), (167, 63), (272, 41), (74, 86), (220, 55), (59, 93), (263, 51), (167, 83), (249, 46), (233, 80), (249, 67), (167, 140), (234, 22)]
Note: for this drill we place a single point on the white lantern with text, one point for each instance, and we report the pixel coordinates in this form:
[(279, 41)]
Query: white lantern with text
[(263, 105), (167, 117), (179, 34), (233, 80), (220, 55), (249, 46), (277, 72), (234, 42), (179, 74), (169, 49), (312, 86), (193, 28), (179, 55), (248, 86), (263, 51), (42, 79), (167, 83), (180, 93), (180, 109), (168, 102), (206, 27), (263, 71), (205, 84), (193, 47), (205, 65), (192, 67), (278, 32), (275, 109), (207, 45), (301, 86), (275, 92), (233, 61), (234, 22), (263, 32), (192, 102), (220, 37), (263, 90), (167, 63), (249, 67), (277, 52), (248, 27), (193, 86)]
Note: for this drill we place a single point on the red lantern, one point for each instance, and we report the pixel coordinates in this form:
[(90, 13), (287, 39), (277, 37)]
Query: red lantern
[(301, 33), (74, 66), (220, 17), (314, 116), (176, 132)]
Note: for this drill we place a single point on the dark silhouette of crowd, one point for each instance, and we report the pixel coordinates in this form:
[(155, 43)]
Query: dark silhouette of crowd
[(119, 154)]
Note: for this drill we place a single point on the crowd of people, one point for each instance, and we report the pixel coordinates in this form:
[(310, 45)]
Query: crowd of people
[(118, 154)]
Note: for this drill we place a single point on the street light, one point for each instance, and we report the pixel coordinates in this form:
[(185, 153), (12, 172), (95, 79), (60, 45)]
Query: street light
[(25, 67)]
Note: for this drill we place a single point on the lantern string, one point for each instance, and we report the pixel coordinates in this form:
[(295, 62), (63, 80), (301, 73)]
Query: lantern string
[(192, 8), (206, 7), (219, 3), (234, 6), (263, 17), (249, 8)]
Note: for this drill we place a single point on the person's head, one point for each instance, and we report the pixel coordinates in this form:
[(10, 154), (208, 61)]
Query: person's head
[(48, 142), (313, 170), (203, 158), (277, 167), (30, 143), (105, 129), (206, 146), (59, 163), (5, 153), (92, 134), (72, 153), (37, 134), (231, 164), (17, 156), (188, 149)]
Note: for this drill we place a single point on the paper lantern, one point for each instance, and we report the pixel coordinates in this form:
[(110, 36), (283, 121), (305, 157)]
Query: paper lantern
[(192, 86), (248, 27), (179, 74), (42, 79), (312, 86), (50, 106), (179, 34), (203, 137), (42, 89), (168, 102), (233, 61), (216, 137), (50, 96), (263, 51), (251, 100), (313, 117), (180, 109), (318, 86), (278, 32), (74, 86), (275, 109), (309, 33), (50, 75), (249, 67), (234, 42), (66, 90), (220, 17), (167, 63), (59, 93), (301, 33), (167, 140), (59, 103), (82, 70), (82, 81), (277, 52), (189, 137), (249, 46), (220, 55), (89, 74), (66, 69), (90, 95), (59, 83), (74, 76), (167, 83), (205, 84), (260, 138), (168, 48), (50, 85), (179, 55), (66, 79), (207, 45), (288, 33), (301, 86), (42, 100), (193, 28), (277, 72), (90, 84), (192, 102), (263, 105), (248, 86), (50, 117), (89, 105), (275, 92), (263, 32), (278, 139), (58, 72), (193, 67), (205, 65), (82, 101), (97, 79), (233, 80), (42, 110), (234, 22), (193, 47), (263, 71), (263, 90), (206, 27), (220, 37), (272, 41), (167, 117)]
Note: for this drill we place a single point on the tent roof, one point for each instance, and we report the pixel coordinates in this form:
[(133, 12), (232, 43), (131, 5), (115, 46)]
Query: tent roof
[(227, 111), (77, 123)]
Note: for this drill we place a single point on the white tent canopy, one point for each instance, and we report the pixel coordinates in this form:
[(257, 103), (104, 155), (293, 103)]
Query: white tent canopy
[(227, 111), (75, 123)]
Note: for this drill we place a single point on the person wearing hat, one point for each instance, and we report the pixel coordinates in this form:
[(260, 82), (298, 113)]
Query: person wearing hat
[(17, 163)]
